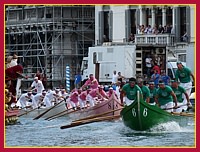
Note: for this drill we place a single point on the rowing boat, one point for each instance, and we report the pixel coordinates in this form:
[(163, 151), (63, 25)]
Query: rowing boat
[(32, 113), (143, 116), (109, 107)]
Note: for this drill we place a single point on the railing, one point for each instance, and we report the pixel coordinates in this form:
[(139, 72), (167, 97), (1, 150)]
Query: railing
[(152, 39)]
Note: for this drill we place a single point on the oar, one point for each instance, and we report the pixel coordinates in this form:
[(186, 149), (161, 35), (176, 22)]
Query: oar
[(28, 111), (40, 115), (183, 114), (58, 114), (97, 115), (78, 123), (174, 107), (63, 113)]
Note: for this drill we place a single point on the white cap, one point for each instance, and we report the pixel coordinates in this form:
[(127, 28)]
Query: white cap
[(36, 78), (44, 91), (57, 89)]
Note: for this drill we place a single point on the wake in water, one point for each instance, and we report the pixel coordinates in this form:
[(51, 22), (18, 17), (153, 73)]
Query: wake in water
[(171, 127)]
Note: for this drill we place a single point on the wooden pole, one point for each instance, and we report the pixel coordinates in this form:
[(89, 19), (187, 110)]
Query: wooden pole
[(63, 113), (78, 123), (57, 114), (97, 115), (40, 115), (183, 114), (25, 113)]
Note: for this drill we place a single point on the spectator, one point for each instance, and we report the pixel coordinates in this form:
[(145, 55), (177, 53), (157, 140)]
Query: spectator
[(156, 67), (165, 78), (160, 29), (131, 38), (38, 74), (148, 62), (114, 77), (155, 78), (185, 37), (77, 81)]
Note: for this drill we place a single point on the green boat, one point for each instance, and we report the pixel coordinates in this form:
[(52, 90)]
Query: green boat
[(141, 116)]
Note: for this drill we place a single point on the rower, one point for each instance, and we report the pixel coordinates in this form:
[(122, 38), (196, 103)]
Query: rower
[(25, 100), (82, 98), (164, 97), (145, 90), (152, 93), (179, 92), (38, 99), (129, 92), (111, 91), (91, 82), (97, 94)]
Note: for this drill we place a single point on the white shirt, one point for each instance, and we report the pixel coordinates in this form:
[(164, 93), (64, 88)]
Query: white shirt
[(38, 97), (38, 86), (148, 62), (114, 78)]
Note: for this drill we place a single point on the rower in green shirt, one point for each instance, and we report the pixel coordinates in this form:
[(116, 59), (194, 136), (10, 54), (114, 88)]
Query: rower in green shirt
[(165, 96), (145, 90), (179, 91), (184, 74), (129, 91), (153, 92)]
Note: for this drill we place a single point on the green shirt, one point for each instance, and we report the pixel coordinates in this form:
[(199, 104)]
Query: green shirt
[(164, 95), (131, 93), (145, 92), (152, 95), (183, 75), (179, 91)]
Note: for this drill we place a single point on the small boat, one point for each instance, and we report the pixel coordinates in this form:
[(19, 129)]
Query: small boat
[(141, 116), (110, 107), (32, 113), (11, 117)]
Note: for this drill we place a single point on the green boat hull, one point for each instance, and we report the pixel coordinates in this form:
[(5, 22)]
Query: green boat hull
[(142, 116)]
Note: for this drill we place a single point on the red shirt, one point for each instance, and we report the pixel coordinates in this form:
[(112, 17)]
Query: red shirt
[(157, 68), (74, 97)]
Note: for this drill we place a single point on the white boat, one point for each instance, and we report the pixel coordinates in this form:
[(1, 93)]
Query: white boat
[(53, 110)]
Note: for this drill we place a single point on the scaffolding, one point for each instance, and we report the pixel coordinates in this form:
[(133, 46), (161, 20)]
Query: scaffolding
[(47, 38)]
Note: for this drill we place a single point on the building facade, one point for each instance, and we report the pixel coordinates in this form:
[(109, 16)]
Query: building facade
[(117, 22), (47, 38)]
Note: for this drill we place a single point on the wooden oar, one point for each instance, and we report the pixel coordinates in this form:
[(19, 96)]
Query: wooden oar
[(183, 114), (28, 111), (97, 115), (174, 107), (62, 112), (40, 115), (78, 123)]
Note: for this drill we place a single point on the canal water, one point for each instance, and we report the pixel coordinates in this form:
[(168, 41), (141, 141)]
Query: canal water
[(43, 133)]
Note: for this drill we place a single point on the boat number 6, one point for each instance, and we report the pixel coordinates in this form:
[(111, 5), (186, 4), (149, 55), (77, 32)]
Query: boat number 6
[(145, 112), (133, 112)]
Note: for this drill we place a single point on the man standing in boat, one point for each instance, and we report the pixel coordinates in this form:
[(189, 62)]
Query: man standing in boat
[(37, 85), (183, 75), (179, 92), (164, 97), (91, 82), (129, 91)]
